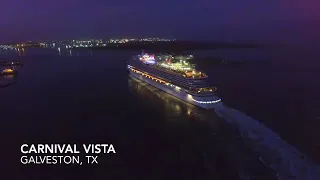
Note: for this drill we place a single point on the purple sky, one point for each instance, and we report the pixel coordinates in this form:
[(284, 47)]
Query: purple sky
[(183, 19)]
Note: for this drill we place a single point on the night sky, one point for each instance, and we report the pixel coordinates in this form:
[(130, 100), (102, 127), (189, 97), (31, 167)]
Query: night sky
[(222, 20)]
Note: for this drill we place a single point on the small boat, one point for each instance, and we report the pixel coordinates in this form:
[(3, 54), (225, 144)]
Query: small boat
[(8, 71)]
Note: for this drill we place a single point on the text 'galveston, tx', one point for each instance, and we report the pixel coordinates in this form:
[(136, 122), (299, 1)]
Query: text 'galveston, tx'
[(64, 153)]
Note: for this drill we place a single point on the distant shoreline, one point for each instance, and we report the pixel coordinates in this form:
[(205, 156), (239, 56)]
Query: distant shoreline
[(172, 46)]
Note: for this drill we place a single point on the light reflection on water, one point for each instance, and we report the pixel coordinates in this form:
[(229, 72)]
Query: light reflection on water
[(8, 80), (20, 51), (8, 76), (202, 123), (23, 52), (174, 108)]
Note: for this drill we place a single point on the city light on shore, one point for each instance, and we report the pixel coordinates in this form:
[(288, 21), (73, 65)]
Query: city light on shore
[(88, 43)]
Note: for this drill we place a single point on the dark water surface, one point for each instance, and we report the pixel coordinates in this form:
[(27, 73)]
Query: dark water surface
[(87, 97), (278, 86)]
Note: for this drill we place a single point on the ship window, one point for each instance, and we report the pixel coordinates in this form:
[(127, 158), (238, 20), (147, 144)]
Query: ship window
[(204, 90)]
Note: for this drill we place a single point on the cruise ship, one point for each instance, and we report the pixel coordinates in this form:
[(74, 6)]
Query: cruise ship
[(175, 75)]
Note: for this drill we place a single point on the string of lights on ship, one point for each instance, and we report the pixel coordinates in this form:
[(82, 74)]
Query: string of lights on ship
[(168, 84)]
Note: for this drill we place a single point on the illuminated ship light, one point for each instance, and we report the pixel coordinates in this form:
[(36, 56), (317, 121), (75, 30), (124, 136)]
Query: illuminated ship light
[(148, 59), (207, 102), (7, 71), (148, 76), (175, 78), (171, 85)]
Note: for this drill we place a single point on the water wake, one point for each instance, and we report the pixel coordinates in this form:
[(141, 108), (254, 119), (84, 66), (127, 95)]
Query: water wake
[(276, 153)]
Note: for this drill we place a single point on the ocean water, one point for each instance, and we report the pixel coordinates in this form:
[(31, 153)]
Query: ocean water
[(279, 87), (87, 97)]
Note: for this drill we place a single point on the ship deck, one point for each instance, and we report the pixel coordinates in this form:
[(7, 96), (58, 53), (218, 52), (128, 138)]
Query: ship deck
[(204, 91), (179, 73)]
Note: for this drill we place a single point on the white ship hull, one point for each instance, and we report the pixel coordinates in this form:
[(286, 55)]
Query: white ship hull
[(208, 102)]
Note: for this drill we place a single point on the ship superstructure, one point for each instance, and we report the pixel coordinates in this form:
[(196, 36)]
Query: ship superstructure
[(175, 75)]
